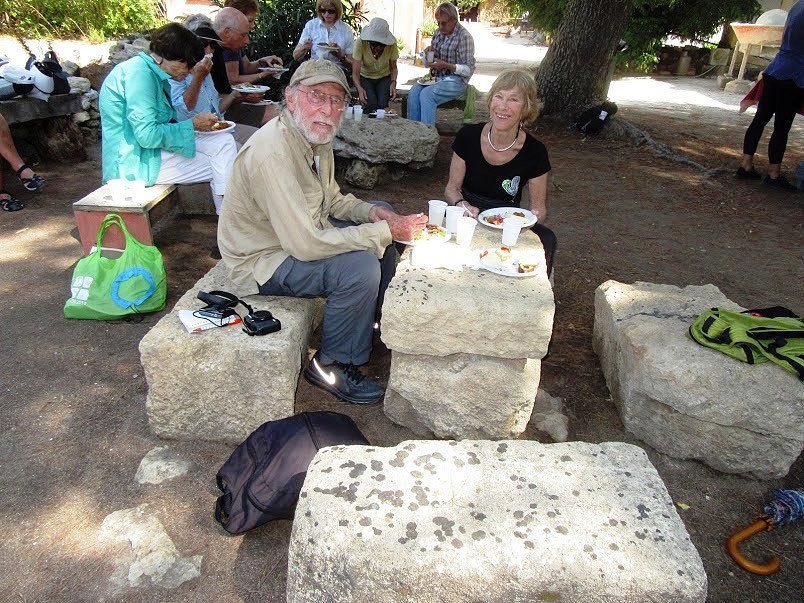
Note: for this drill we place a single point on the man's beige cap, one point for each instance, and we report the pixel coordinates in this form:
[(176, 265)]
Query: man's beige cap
[(319, 71)]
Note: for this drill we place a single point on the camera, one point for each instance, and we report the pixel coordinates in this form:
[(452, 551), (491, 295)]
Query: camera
[(260, 322)]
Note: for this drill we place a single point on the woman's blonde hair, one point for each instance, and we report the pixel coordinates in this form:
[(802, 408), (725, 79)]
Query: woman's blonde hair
[(336, 4), (523, 80)]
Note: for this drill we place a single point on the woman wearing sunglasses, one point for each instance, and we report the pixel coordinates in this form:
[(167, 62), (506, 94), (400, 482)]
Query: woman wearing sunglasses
[(327, 37)]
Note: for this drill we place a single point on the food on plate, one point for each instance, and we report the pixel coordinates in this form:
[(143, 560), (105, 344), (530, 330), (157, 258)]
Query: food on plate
[(221, 125), (504, 253), (431, 232), (427, 79), (523, 267), (497, 219)]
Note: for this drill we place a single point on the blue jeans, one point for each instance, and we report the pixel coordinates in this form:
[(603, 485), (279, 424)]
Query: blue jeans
[(423, 100)]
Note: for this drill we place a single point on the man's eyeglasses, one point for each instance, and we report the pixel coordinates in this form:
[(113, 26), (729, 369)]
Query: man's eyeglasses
[(329, 11), (317, 99)]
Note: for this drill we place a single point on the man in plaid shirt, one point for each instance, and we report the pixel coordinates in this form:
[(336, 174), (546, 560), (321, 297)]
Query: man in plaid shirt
[(453, 65)]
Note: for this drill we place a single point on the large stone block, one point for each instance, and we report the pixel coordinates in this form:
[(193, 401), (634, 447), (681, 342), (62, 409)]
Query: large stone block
[(489, 521), (393, 140), (462, 395), (221, 384), (687, 400), (440, 312)]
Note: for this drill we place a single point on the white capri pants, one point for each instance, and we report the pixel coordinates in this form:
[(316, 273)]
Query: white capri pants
[(214, 156)]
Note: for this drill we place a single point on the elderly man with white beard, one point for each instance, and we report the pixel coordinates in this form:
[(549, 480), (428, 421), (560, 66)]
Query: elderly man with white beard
[(286, 229)]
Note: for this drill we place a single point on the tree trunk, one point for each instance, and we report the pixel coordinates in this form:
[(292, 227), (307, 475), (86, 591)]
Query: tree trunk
[(573, 73)]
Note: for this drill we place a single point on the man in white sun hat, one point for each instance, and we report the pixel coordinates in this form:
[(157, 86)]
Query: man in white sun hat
[(287, 229)]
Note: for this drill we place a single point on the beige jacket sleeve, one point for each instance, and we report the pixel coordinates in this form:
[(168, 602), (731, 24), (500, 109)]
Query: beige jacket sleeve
[(283, 202)]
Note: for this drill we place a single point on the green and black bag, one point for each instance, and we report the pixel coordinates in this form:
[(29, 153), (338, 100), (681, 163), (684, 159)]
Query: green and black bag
[(754, 336)]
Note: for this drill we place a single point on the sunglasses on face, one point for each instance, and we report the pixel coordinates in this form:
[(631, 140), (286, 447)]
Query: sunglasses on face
[(328, 11)]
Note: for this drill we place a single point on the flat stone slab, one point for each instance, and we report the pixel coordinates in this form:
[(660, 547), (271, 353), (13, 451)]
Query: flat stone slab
[(438, 312), (153, 559), (462, 395), (221, 384), (25, 108), (489, 521), (391, 140), (685, 399)]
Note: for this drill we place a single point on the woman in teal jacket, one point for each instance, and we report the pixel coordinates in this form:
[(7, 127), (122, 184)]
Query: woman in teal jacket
[(140, 135)]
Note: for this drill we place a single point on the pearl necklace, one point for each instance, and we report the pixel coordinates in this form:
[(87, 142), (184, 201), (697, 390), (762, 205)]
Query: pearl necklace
[(488, 137)]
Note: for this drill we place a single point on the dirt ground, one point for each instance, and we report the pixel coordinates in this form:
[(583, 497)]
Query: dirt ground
[(73, 426)]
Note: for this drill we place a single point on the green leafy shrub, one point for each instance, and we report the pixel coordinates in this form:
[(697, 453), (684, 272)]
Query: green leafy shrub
[(95, 20), (428, 29)]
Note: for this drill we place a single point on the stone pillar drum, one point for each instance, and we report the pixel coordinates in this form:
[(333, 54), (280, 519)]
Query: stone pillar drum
[(466, 347)]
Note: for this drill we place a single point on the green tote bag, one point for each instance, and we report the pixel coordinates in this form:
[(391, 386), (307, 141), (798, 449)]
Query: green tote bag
[(110, 288)]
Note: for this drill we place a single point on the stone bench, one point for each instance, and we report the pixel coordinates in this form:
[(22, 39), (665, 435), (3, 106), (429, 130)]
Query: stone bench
[(139, 214), (489, 521), (221, 384), (685, 399), (25, 108)]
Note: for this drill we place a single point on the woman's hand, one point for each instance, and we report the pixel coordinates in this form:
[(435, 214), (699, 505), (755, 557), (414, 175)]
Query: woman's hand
[(202, 67), (203, 122), (473, 211), (361, 94), (271, 60), (392, 90)]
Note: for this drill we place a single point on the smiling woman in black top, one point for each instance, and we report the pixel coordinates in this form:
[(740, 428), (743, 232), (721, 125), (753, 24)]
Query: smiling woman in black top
[(493, 162)]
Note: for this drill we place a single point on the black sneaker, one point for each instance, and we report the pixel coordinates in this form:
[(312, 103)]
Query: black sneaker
[(745, 174), (781, 183), (344, 381)]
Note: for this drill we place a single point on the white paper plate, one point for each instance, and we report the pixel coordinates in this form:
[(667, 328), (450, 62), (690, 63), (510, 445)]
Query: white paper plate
[(273, 69), (412, 243), (423, 82), (250, 88), (221, 131), (262, 103), (530, 219), (324, 46), (508, 268)]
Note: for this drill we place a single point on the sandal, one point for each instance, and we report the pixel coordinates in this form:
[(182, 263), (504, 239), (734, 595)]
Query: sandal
[(10, 204), (35, 183)]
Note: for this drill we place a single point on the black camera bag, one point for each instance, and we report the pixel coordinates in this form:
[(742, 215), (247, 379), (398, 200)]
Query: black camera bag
[(262, 479)]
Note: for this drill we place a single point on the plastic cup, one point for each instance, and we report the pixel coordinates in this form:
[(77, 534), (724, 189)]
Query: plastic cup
[(349, 112), (465, 231), (358, 112), (510, 231), (437, 209), (453, 213), (117, 189), (380, 113), (430, 57)]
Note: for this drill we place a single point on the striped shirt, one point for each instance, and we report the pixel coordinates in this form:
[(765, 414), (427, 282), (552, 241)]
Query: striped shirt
[(457, 47)]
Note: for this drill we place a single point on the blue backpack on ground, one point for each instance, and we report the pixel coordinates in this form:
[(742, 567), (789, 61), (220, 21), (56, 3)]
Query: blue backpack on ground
[(262, 479)]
